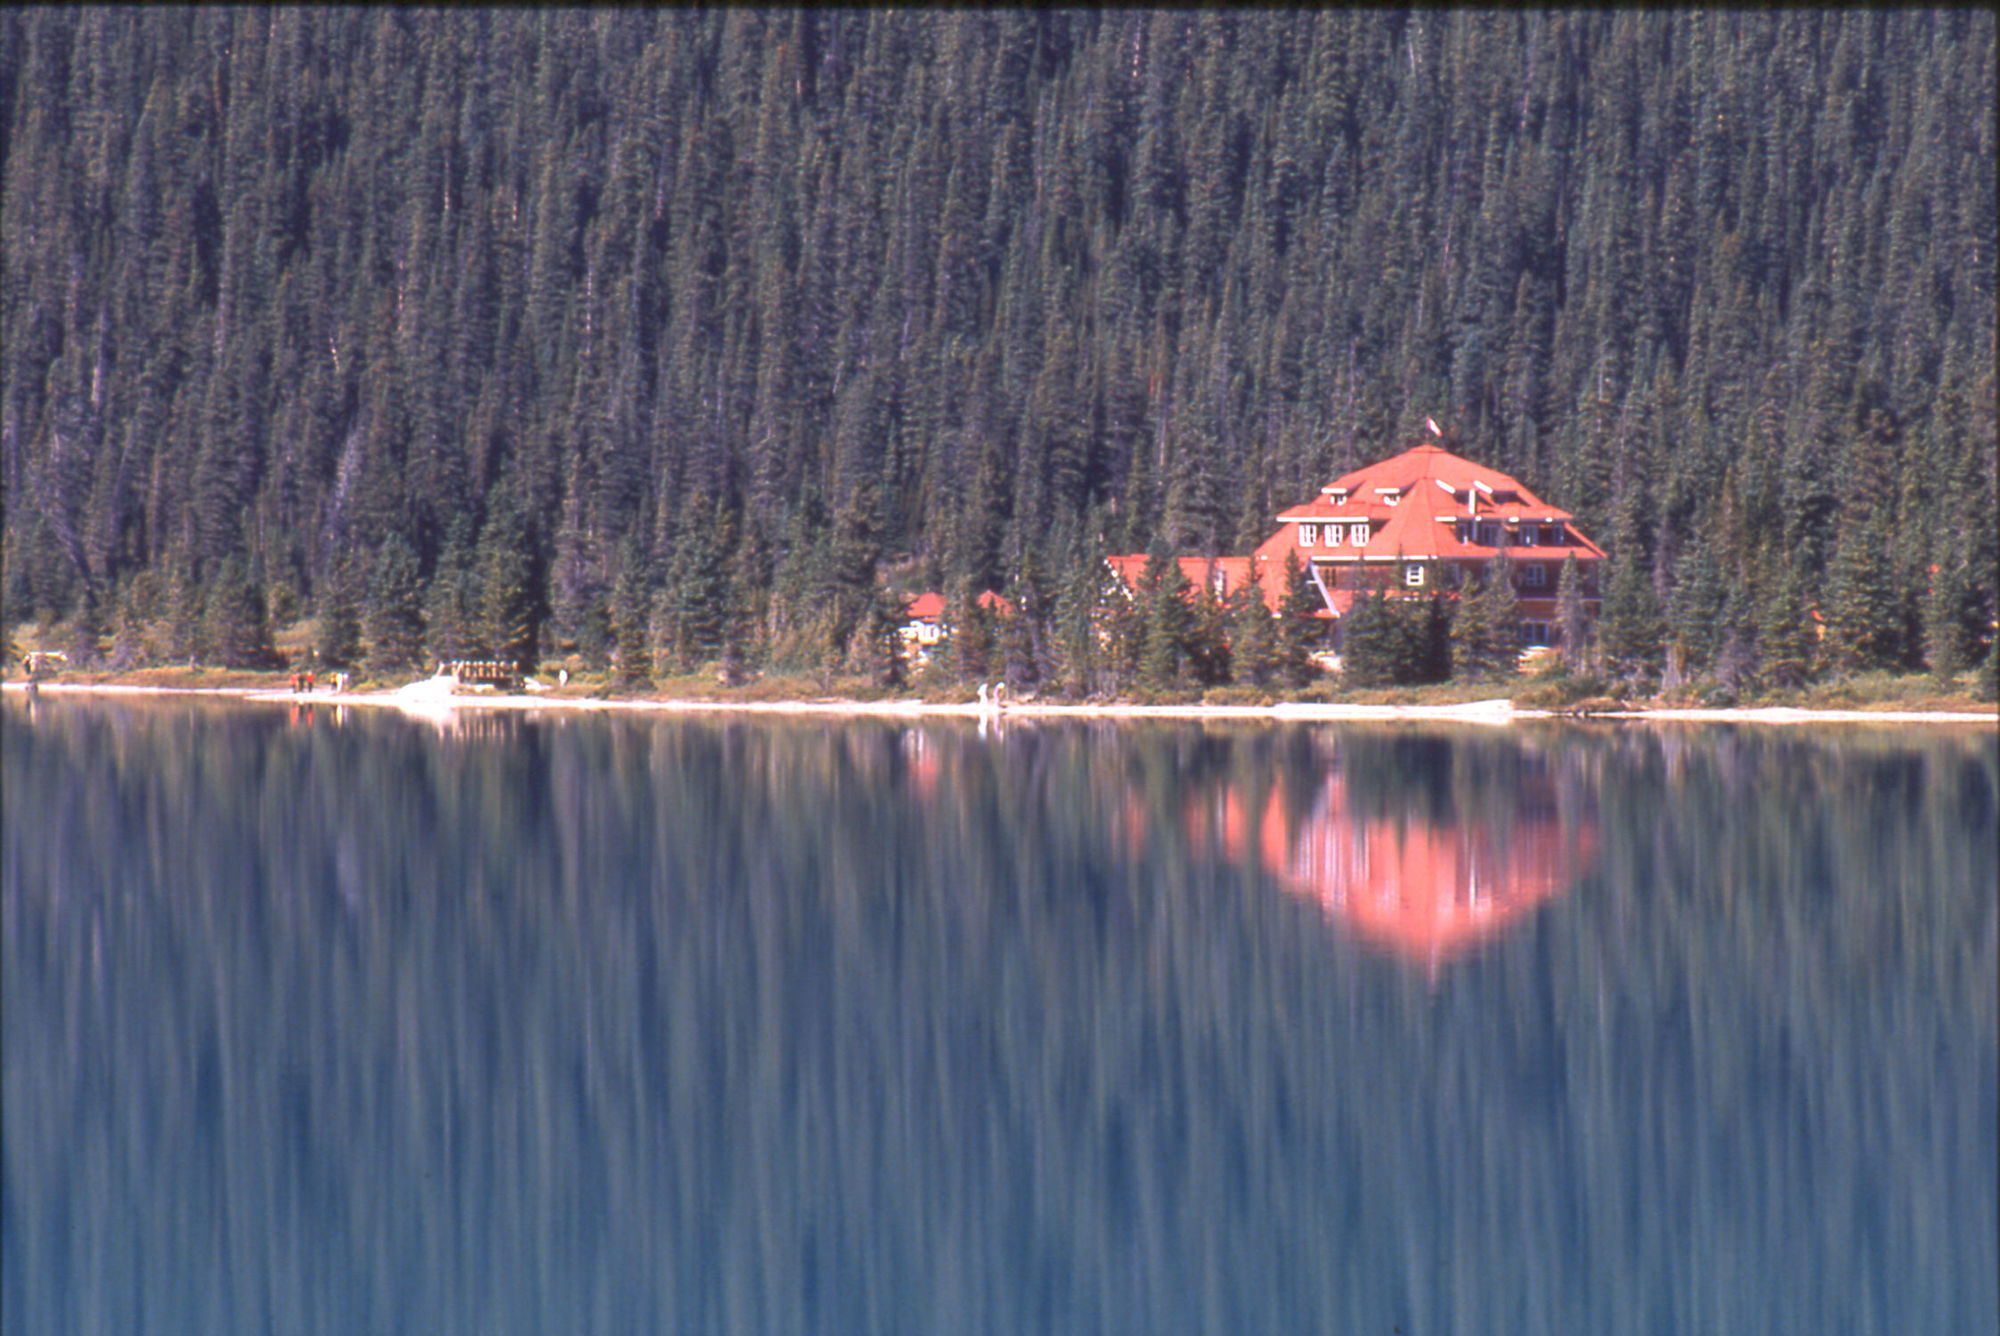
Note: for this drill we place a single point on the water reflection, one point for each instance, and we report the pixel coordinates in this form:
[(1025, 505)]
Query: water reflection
[(1428, 889), (657, 1025)]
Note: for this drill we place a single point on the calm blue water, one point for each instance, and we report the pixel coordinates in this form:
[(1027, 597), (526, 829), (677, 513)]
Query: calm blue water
[(632, 1025)]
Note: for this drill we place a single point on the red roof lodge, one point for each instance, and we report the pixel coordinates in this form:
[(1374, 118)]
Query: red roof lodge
[(1421, 523)]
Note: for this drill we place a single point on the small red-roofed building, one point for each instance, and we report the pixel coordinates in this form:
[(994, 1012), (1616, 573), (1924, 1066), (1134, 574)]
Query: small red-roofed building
[(924, 622), (1428, 522)]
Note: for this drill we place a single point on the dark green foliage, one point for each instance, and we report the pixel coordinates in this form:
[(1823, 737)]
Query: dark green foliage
[(1629, 632), (508, 612), (86, 635), (1572, 621), (450, 609), (338, 644), (632, 615), (393, 610), (1375, 649), (1863, 630), (1951, 619), (1166, 625), (235, 633), (891, 285), (1486, 629), (1786, 644), (695, 600), (1253, 637), (881, 647), (1298, 627)]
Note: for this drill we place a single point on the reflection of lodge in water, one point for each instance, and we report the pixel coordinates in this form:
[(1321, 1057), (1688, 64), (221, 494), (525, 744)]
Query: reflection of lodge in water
[(1425, 885)]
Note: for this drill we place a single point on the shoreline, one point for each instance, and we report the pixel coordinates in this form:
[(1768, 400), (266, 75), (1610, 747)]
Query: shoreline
[(1498, 711)]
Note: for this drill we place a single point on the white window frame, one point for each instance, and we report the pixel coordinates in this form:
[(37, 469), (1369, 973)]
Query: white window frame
[(1308, 535), (1358, 535), (1413, 574)]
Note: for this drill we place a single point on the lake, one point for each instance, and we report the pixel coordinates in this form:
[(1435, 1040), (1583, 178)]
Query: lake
[(340, 1021)]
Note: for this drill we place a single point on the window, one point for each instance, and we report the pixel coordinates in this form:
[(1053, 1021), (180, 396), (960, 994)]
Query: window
[(1308, 535), (1358, 535), (1413, 574), (1535, 633), (1557, 538), (1333, 534), (1489, 535), (1463, 530), (1534, 574), (1530, 534)]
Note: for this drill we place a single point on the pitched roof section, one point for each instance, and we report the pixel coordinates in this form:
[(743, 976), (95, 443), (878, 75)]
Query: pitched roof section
[(1224, 575), (929, 606), (1424, 504)]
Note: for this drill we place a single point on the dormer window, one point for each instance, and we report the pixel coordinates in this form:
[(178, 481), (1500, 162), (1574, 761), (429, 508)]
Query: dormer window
[(1558, 537), (1531, 534), (1308, 535), (1358, 535), (1413, 574)]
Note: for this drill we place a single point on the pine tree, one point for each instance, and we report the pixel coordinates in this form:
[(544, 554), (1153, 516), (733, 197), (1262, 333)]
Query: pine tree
[(393, 612), (1629, 631), (1572, 621), (338, 643), (234, 628), (632, 614), (507, 611), (451, 608), (1298, 625), (1863, 631), (1785, 640), (1949, 632), (882, 642), (1371, 646), (86, 633), (1485, 632), (1254, 640), (1167, 625)]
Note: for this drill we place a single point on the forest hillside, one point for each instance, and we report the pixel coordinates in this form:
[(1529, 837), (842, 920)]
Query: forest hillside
[(675, 335)]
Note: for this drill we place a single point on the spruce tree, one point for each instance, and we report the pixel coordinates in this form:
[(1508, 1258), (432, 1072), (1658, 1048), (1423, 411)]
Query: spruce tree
[(1168, 624), (233, 623), (632, 614), (1298, 625), (1863, 630), (1785, 638), (508, 615), (1629, 631), (1485, 632), (1371, 648), (393, 611), (1253, 655), (338, 643), (1948, 631), (1572, 621)]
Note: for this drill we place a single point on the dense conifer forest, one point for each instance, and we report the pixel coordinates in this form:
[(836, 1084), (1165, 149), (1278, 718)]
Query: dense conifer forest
[(678, 338)]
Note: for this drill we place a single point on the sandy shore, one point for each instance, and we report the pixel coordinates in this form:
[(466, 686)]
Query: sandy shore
[(428, 699)]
